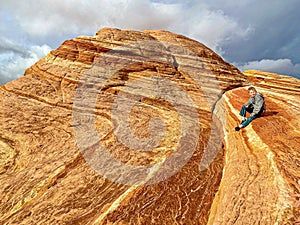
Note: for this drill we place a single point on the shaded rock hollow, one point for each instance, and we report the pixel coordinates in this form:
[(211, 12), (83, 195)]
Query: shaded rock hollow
[(219, 176)]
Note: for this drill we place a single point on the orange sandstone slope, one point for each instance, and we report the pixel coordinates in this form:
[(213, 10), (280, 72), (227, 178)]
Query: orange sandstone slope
[(79, 143), (261, 176)]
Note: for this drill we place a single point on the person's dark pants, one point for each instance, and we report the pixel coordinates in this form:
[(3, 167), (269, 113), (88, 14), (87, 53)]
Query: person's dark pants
[(243, 112)]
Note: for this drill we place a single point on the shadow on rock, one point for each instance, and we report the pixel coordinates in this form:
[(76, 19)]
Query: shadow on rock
[(269, 113)]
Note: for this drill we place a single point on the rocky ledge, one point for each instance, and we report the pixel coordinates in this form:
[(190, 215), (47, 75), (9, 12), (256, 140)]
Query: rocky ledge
[(131, 127)]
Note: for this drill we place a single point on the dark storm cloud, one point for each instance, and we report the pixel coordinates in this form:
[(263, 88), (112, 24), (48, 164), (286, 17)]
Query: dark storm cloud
[(276, 31), (274, 43), (7, 45)]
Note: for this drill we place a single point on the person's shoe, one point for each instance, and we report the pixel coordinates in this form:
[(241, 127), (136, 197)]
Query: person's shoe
[(237, 128)]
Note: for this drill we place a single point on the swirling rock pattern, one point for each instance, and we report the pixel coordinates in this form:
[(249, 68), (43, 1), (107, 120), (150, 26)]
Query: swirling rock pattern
[(46, 178)]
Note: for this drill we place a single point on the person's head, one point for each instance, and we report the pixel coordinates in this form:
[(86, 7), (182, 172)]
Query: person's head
[(252, 91)]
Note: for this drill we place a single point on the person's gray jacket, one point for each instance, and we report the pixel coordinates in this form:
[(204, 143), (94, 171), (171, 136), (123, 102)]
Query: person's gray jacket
[(257, 103)]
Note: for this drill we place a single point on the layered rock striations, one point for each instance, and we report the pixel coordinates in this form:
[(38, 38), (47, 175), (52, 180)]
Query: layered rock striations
[(131, 127), (261, 177)]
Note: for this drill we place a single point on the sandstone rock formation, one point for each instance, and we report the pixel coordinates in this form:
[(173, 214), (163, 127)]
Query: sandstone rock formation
[(261, 177), (133, 127)]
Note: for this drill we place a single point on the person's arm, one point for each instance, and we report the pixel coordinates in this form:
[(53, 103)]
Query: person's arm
[(250, 101), (259, 102)]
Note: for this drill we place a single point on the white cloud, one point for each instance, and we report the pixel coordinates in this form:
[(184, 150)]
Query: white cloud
[(212, 27), (47, 23), (227, 28), (56, 17), (52, 22), (281, 66), (13, 64), (60, 18), (143, 15)]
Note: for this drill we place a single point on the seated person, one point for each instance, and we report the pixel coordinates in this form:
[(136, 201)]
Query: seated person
[(255, 106)]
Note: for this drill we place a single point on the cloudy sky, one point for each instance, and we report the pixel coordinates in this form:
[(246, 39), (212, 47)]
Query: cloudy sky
[(251, 34)]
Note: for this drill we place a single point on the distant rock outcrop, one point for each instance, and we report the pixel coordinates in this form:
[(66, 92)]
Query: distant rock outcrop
[(131, 127)]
